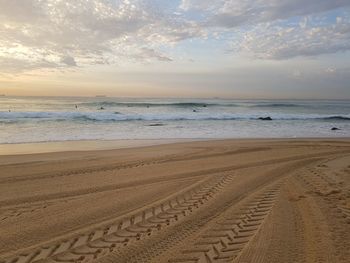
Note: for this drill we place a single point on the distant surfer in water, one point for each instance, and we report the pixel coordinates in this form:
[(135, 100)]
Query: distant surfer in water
[(76, 106)]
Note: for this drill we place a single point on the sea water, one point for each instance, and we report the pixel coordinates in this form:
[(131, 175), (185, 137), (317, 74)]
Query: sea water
[(43, 119)]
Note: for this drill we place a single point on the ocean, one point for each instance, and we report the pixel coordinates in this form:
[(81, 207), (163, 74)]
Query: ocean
[(46, 119)]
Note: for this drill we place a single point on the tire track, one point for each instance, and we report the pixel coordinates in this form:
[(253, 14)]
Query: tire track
[(104, 239), (226, 238), (184, 175), (332, 196), (325, 186), (131, 165), (126, 230), (78, 171), (9, 213), (99, 189), (166, 241), (29, 207), (225, 153)]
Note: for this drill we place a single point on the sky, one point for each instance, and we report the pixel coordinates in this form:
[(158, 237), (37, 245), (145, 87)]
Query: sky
[(271, 49)]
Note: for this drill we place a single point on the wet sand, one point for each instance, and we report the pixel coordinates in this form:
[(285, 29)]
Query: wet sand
[(213, 201), (88, 145)]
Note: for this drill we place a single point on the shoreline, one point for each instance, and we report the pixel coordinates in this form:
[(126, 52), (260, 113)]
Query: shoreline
[(82, 145), (31, 148)]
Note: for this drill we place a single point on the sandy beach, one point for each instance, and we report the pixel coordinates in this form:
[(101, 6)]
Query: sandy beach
[(188, 131), (278, 200)]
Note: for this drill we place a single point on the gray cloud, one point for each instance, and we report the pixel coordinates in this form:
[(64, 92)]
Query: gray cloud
[(37, 34), (151, 53), (69, 61), (21, 11), (232, 13), (274, 42), (92, 31), (14, 65), (266, 37)]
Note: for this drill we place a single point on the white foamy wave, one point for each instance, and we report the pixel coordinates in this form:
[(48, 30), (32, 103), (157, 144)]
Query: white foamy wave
[(59, 119), (105, 116)]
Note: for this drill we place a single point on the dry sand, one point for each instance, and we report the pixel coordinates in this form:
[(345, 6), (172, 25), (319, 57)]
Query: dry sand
[(214, 201)]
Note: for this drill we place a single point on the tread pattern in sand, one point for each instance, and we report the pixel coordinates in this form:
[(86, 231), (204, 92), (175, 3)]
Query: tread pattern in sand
[(131, 165), (224, 241), (96, 243), (333, 198)]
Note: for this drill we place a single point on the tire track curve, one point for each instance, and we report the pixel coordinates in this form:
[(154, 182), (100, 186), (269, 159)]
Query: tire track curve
[(226, 238), (125, 230)]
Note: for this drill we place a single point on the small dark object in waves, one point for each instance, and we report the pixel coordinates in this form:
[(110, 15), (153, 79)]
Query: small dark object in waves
[(335, 129), (101, 108), (204, 106), (156, 124), (194, 111), (265, 118)]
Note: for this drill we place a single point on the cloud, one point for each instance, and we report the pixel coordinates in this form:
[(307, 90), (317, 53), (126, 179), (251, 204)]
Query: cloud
[(276, 42), (91, 31), (233, 13), (267, 29), (151, 53), (13, 65), (37, 34), (20, 11), (69, 61), (201, 5)]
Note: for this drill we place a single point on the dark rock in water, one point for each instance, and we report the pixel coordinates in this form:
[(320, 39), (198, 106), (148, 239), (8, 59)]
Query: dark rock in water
[(204, 106), (194, 111), (156, 124), (101, 108), (265, 118), (335, 129)]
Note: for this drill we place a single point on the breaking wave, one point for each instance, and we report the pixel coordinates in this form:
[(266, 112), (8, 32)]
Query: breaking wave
[(105, 116)]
